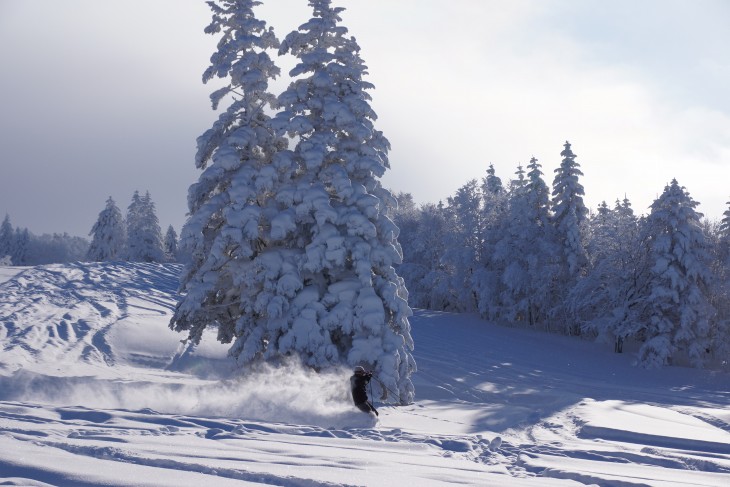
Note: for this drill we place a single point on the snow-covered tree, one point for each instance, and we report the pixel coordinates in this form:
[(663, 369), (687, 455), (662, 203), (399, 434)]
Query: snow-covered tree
[(132, 226), (491, 184), (523, 250), (56, 248), (144, 236), (423, 237), (21, 247), (6, 240), (485, 283), (463, 253), (227, 235), (679, 312), (108, 234), (719, 292), (347, 302), (170, 244), (725, 223), (569, 211), (607, 300), (569, 215), (292, 249)]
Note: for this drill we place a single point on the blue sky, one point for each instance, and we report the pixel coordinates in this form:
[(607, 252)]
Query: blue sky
[(98, 99)]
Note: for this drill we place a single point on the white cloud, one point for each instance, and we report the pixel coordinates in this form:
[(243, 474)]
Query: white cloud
[(109, 91)]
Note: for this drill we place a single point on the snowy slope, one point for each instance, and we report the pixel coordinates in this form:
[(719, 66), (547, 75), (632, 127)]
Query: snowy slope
[(96, 390)]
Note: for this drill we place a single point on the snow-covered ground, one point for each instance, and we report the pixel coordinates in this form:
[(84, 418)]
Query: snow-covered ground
[(96, 390)]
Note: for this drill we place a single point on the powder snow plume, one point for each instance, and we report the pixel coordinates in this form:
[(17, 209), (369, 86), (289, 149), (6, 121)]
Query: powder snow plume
[(284, 394)]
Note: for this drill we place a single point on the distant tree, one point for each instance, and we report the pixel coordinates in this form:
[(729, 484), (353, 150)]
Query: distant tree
[(523, 250), (719, 291), (21, 247), (435, 283), (569, 215), (487, 283), (463, 253), (491, 184), (423, 237), (725, 223), (144, 237), (7, 236), (607, 300), (170, 245), (679, 311), (108, 234), (569, 211), (56, 248), (133, 227)]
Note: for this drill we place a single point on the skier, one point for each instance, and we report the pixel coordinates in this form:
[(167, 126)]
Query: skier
[(359, 381)]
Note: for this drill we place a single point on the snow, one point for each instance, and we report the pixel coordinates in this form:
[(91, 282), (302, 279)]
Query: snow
[(96, 390), (8, 272)]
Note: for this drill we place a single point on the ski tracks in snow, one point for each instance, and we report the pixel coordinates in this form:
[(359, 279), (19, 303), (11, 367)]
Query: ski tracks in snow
[(221, 449), (61, 312)]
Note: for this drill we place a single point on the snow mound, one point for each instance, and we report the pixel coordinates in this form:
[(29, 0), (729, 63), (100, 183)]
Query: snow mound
[(99, 314)]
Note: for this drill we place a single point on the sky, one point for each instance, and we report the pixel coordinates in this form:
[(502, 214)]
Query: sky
[(100, 99)]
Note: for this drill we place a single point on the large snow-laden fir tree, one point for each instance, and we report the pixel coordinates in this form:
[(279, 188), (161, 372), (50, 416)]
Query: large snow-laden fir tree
[(337, 296), (228, 233), (679, 311), (108, 234), (292, 249)]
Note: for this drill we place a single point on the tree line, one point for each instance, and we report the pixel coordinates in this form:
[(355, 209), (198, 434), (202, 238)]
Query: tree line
[(136, 237), (19, 246), (528, 255)]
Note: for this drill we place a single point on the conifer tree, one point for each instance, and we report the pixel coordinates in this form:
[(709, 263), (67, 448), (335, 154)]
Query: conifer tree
[(345, 301), (228, 233), (144, 237), (170, 244), (607, 300), (721, 290), (725, 223), (292, 249), (485, 283), (21, 248), (491, 184), (507, 299), (569, 211), (132, 227), (679, 312), (463, 254), (523, 250), (108, 234), (6, 239), (569, 215)]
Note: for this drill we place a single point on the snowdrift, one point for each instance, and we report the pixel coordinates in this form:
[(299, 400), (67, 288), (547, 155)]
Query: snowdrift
[(96, 390)]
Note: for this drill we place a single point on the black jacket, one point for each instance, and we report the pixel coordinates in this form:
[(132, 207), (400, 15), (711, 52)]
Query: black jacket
[(359, 382)]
